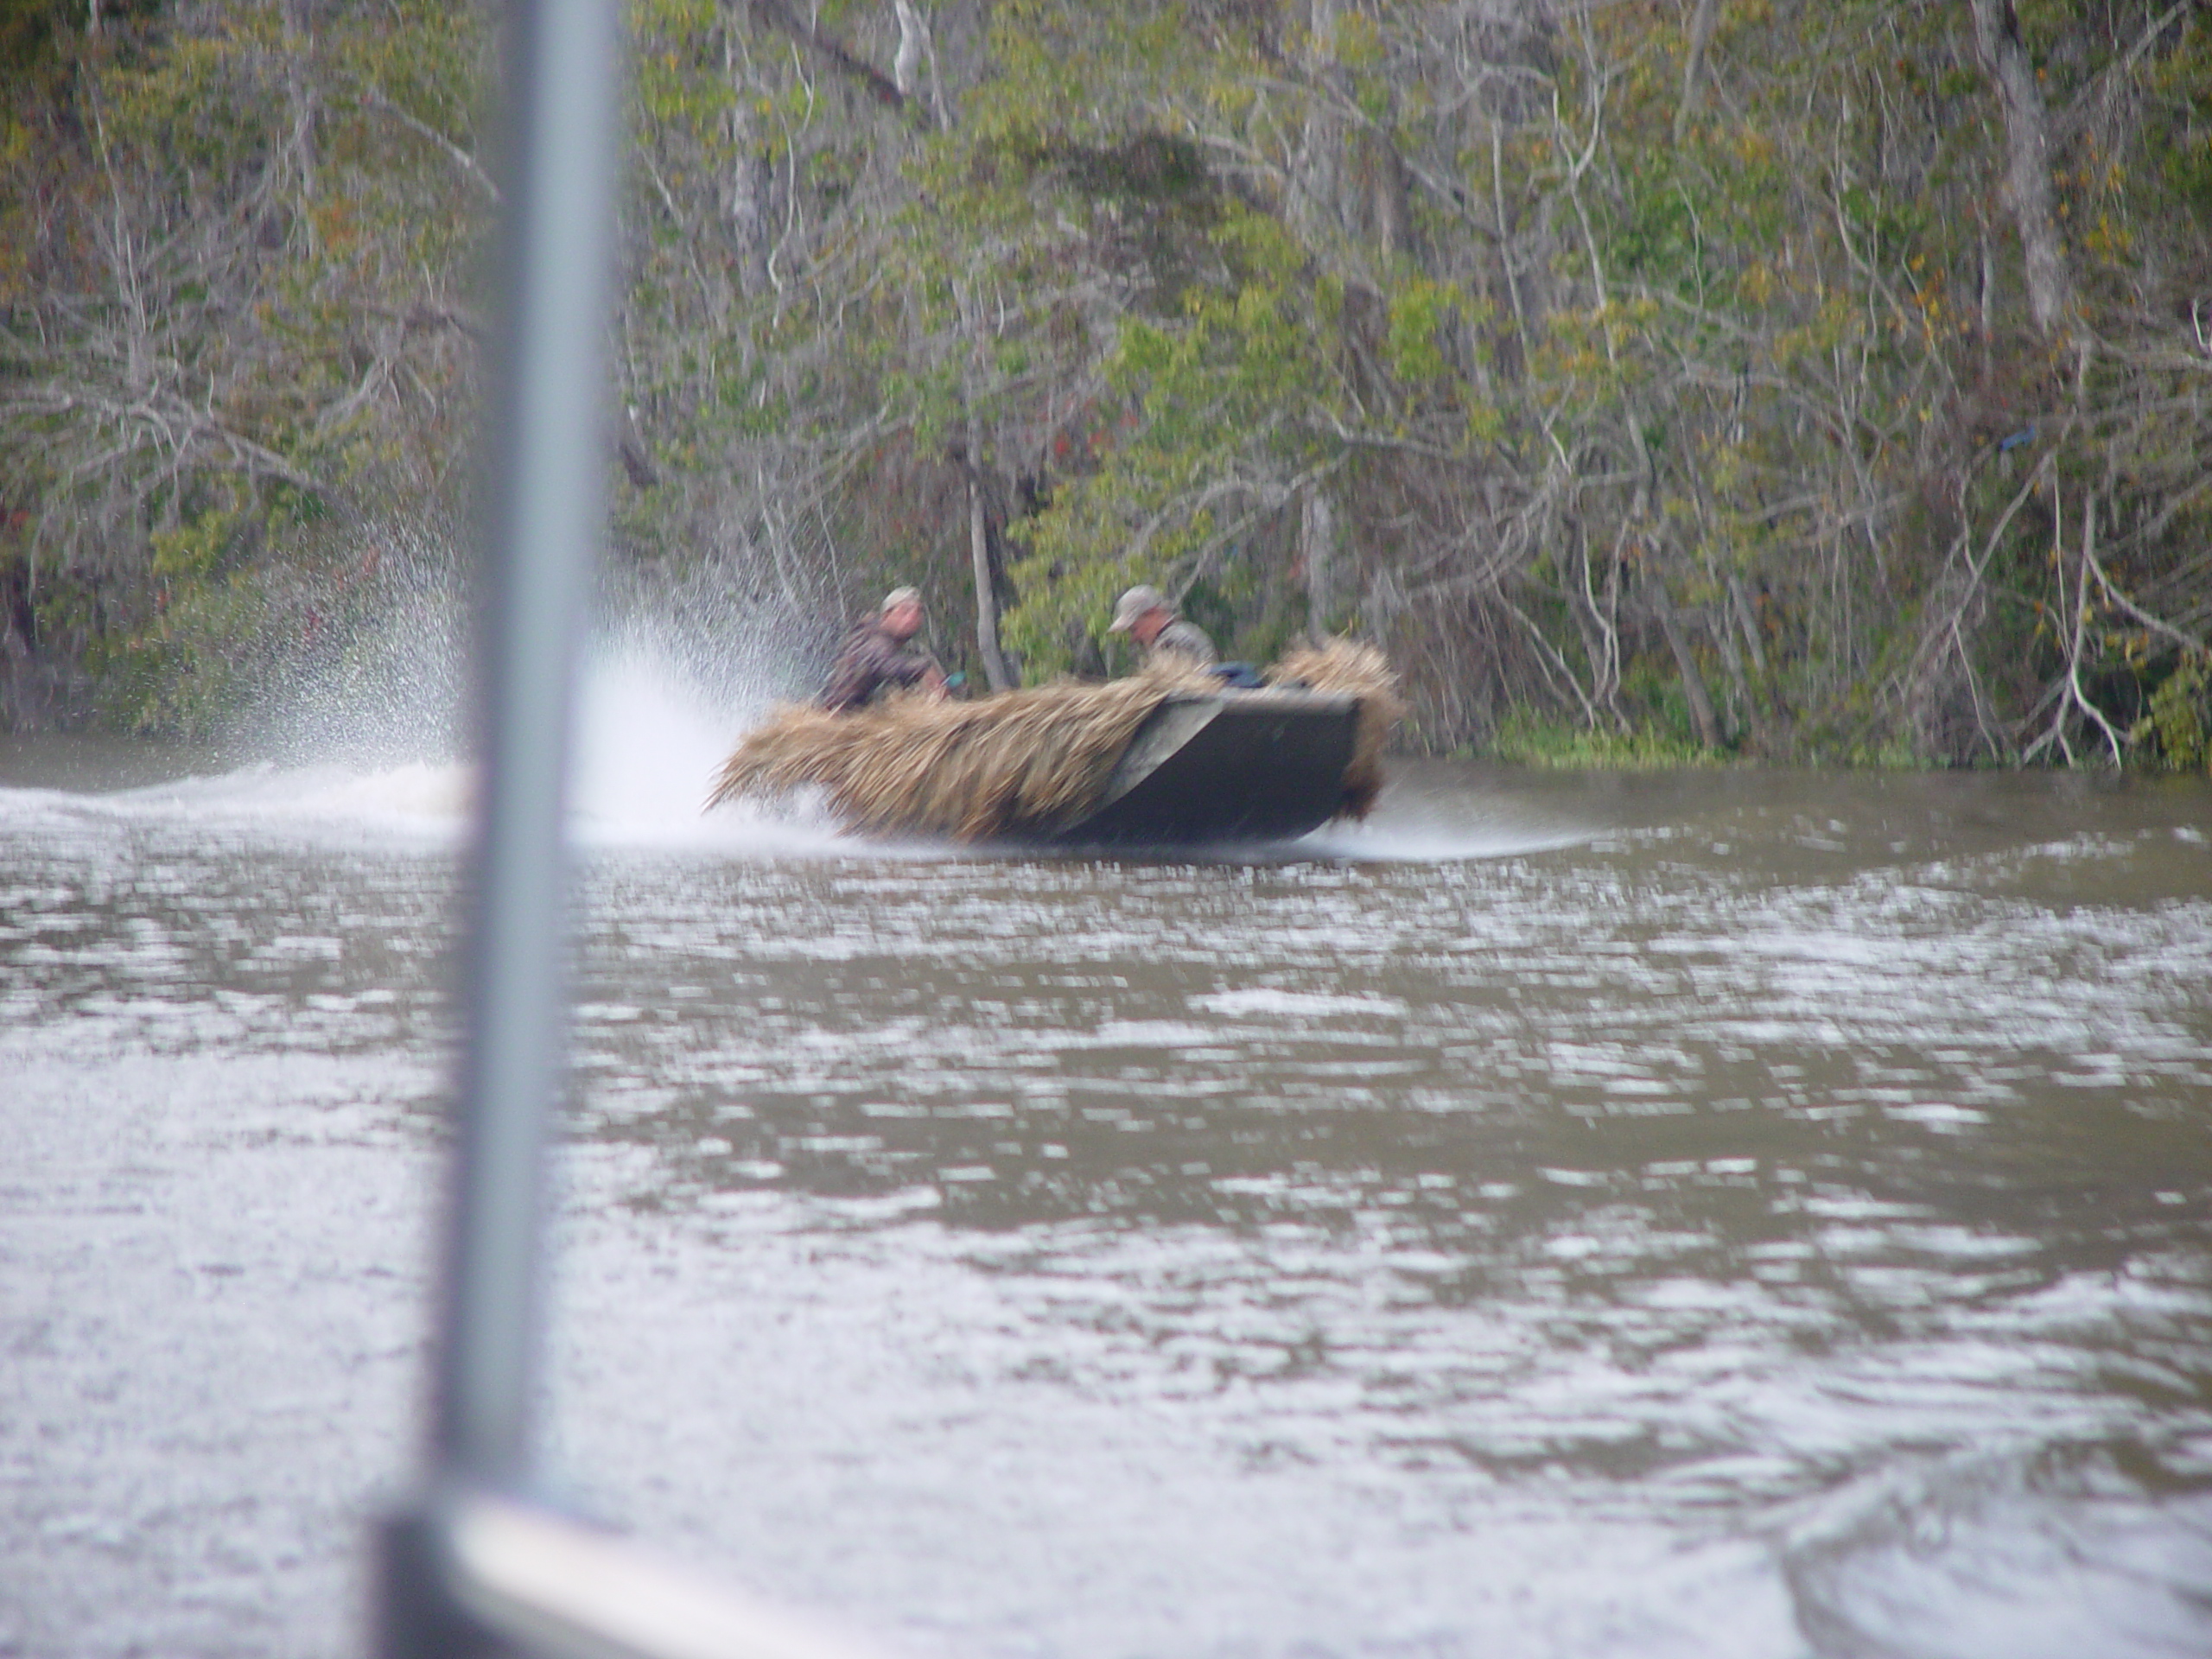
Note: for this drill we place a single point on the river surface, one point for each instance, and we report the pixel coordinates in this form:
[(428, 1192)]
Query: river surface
[(1724, 1214)]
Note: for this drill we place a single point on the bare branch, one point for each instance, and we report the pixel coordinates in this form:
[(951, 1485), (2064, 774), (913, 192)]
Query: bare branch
[(832, 51), (374, 98)]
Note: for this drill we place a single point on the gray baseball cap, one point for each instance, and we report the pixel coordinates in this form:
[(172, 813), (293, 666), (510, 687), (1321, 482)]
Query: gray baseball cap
[(1133, 604), (897, 597)]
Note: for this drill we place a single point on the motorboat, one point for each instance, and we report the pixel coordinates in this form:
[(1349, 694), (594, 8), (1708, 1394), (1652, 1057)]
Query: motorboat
[(1233, 766), (1172, 757)]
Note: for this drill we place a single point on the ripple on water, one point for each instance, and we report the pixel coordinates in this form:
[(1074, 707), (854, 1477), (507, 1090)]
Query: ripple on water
[(1765, 1214)]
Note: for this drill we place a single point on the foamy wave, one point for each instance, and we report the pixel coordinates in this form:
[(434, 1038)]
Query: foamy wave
[(1268, 1002), (1385, 839), (438, 792), (652, 731), (422, 794)]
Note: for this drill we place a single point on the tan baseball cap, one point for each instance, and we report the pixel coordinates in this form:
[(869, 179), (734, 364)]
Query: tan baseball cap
[(1132, 605)]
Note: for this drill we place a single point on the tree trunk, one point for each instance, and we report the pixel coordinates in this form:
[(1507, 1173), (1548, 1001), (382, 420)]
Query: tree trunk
[(1595, 610), (1702, 22), (1317, 547), (2027, 145), (1732, 658), (751, 222), (1317, 170), (979, 539), (636, 457), (1646, 506), (300, 93), (1708, 728), (1747, 620), (979, 555)]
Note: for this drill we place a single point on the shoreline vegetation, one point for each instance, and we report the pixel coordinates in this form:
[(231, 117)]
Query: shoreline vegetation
[(1813, 382)]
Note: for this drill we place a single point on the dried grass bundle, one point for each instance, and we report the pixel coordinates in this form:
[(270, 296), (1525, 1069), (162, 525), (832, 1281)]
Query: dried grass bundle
[(1361, 671), (1028, 762)]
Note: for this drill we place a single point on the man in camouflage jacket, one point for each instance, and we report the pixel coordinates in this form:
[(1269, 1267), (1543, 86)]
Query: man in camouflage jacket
[(1147, 616), (874, 659)]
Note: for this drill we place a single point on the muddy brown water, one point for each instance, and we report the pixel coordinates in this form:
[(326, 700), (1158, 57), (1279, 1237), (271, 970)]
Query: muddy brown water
[(1716, 1214)]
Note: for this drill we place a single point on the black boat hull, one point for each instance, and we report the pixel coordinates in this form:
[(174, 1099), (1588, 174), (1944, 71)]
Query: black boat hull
[(1239, 767)]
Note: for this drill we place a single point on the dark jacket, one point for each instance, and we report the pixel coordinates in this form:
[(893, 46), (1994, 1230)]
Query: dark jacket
[(869, 663)]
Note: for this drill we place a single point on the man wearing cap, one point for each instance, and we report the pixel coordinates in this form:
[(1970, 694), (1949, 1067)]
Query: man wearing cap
[(1147, 616), (874, 658)]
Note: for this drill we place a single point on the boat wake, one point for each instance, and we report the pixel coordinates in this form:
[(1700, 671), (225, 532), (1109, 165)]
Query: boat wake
[(651, 739), (421, 798), (647, 743), (1387, 838)]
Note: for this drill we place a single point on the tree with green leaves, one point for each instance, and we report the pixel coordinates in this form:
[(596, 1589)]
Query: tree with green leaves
[(1661, 378)]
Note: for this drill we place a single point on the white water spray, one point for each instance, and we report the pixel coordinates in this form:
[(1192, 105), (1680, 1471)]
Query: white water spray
[(657, 712), (653, 729), (662, 699)]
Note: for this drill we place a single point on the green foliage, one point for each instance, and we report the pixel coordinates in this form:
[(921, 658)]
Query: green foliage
[(2180, 82), (1228, 391), (189, 674), (31, 33), (2177, 730), (1528, 739), (1418, 313), (1534, 324), (239, 310)]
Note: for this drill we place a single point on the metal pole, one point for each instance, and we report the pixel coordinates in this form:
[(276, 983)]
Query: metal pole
[(544, 524), (464, 1571)]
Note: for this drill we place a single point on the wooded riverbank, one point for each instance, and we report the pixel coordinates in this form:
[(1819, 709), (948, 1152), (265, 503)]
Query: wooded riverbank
[(1814, 382)]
